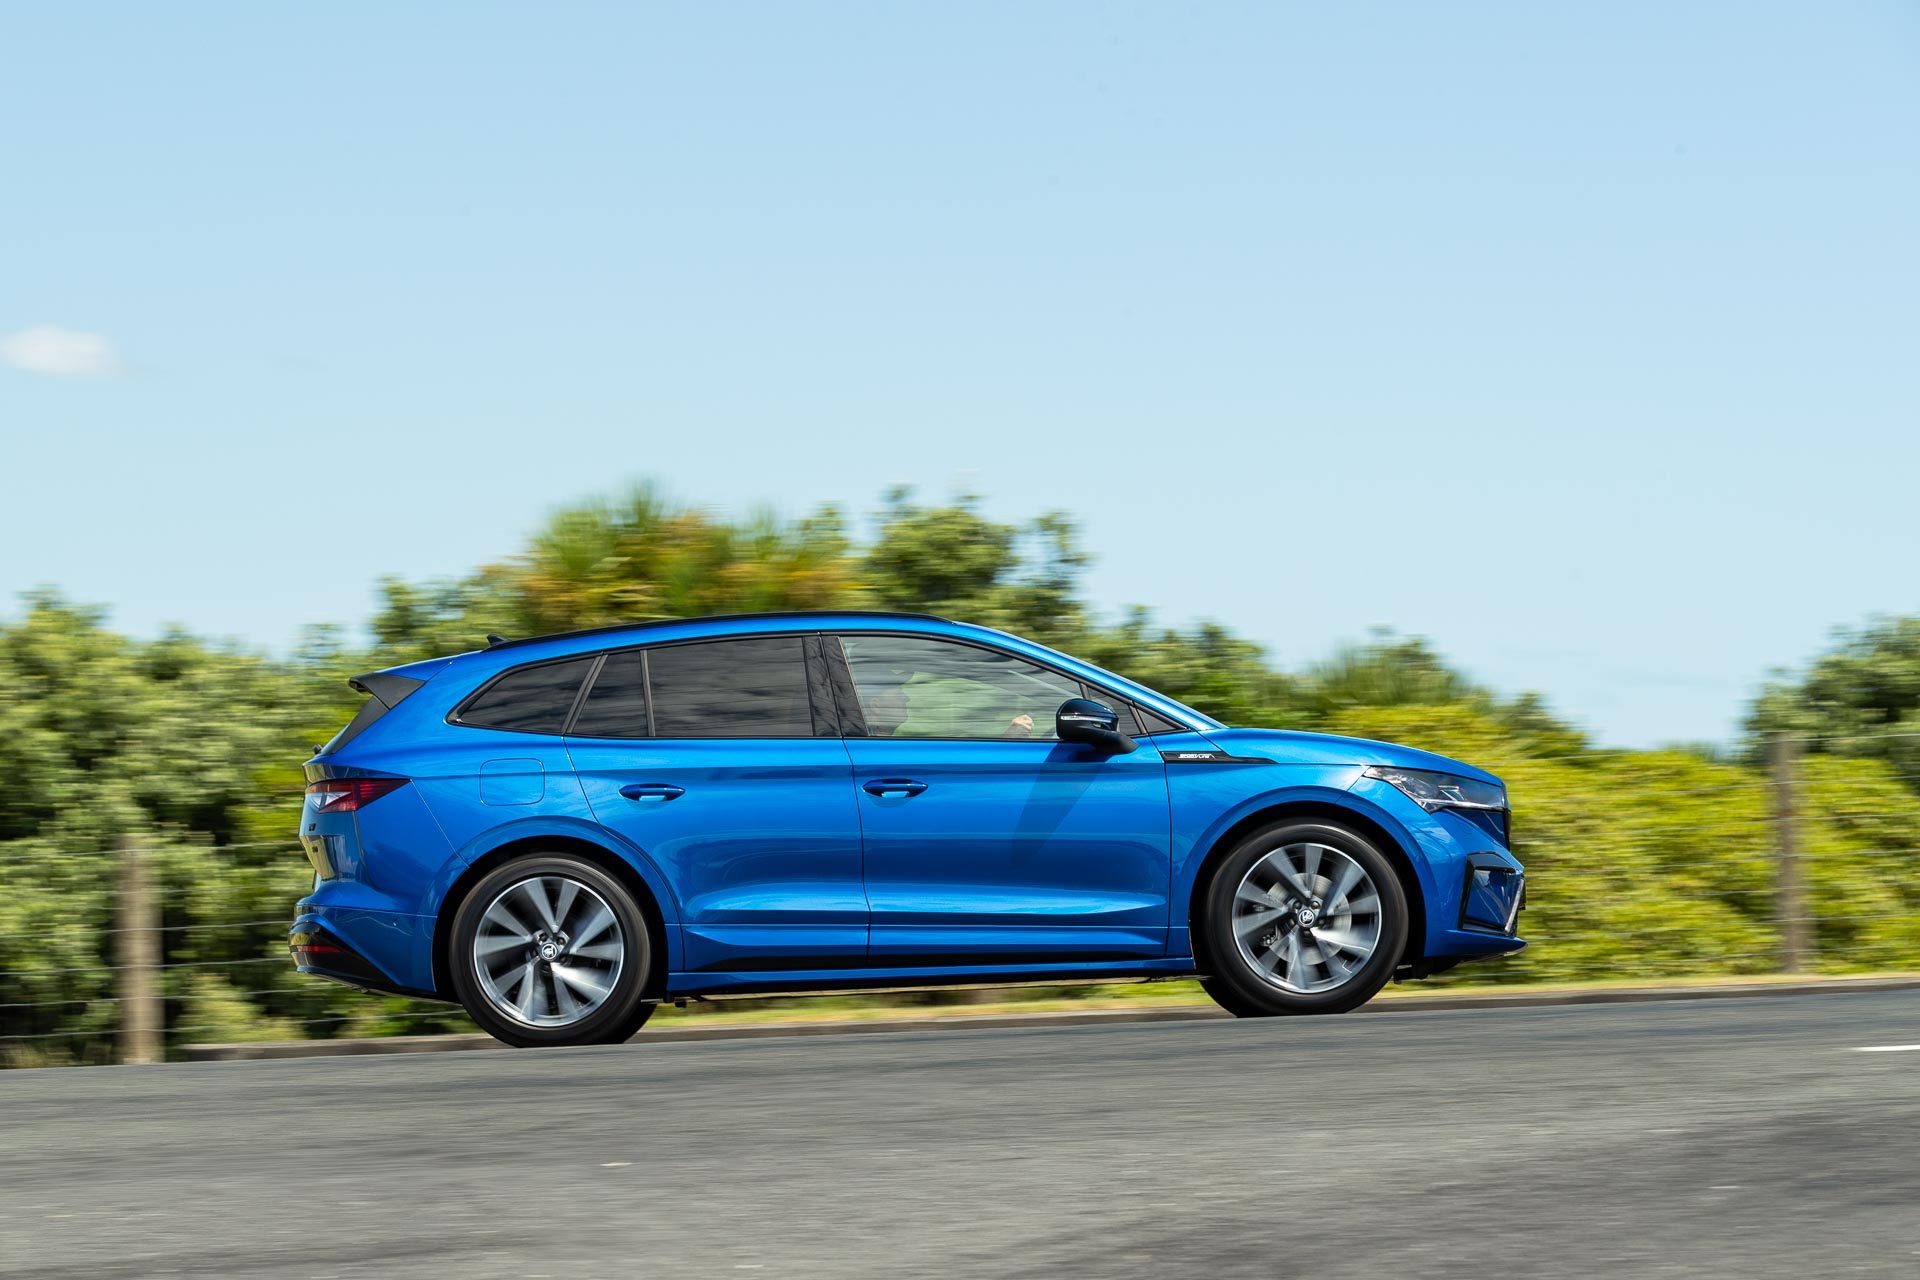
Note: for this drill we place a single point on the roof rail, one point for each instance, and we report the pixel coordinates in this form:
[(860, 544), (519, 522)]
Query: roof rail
[(497, 642)]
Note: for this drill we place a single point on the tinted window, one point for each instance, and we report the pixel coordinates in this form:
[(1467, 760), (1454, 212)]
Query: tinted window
[(616, 706), (1151, 723), (731, 689), (914, 688), (529, 700)]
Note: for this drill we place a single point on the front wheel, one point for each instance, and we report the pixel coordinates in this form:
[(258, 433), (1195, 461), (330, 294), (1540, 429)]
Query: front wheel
[(1302, 917), (551, 950)]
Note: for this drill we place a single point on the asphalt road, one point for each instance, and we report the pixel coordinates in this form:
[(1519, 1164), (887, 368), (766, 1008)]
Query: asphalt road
[(1735, 1138)]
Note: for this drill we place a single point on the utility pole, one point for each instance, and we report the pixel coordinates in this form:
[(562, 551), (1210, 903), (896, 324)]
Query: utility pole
[(1796, 937), (139, 957)]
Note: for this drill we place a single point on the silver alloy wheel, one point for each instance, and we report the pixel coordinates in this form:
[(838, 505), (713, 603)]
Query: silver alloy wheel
[(549, 951), (1306, 918)]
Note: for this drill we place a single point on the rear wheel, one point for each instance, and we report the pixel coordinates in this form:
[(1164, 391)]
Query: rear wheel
[(1302, 917), (551, 950)]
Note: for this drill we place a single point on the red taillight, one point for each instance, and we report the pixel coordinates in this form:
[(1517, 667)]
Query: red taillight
[(344, 795)]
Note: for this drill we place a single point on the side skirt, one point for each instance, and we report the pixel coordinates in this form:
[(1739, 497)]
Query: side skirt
[(821, 982)]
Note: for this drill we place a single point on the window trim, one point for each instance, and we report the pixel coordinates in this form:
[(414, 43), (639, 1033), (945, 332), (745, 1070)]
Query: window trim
[(821, 696), (840, 712)]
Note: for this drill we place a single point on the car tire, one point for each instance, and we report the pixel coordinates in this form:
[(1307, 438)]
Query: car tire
[(1302, 917), (550, 950)]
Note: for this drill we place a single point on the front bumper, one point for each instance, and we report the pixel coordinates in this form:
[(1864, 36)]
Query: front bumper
[(1493, 895), (1474, 887)]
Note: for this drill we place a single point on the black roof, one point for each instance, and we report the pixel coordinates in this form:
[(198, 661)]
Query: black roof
[(496, 642)]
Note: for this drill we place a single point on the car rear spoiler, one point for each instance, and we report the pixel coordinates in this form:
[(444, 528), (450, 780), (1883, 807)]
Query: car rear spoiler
[(387, 689)]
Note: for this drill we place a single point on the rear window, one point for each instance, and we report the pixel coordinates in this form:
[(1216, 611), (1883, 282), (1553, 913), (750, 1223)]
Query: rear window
[(750, 688), (533, 699)]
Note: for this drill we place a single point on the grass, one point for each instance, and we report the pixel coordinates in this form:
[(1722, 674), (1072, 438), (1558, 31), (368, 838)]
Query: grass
[(1002, 1000)]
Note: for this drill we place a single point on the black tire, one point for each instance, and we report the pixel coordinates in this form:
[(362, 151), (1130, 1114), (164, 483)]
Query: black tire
[(1233, 981), (620, 1013), (1230, 1000)]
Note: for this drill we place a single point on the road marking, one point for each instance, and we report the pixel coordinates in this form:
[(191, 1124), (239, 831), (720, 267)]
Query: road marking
[(1889, 1048), (616, 1164)]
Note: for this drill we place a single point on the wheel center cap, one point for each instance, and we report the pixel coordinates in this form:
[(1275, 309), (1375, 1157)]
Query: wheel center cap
[(1306, 917), (549, 950)]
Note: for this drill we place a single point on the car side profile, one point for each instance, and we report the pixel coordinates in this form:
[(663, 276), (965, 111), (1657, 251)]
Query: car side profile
[(561, 833)]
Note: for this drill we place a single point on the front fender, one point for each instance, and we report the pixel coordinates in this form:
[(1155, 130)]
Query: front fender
[(1210, 800)]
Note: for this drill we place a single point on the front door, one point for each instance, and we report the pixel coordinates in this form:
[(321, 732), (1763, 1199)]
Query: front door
[(708, 757), (986, 838)]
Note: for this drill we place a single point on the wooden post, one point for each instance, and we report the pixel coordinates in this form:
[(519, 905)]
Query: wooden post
[(1796, 933), (139, 957)]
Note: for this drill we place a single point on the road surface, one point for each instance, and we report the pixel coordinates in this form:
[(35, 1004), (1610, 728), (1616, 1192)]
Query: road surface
[(1733, 1138)]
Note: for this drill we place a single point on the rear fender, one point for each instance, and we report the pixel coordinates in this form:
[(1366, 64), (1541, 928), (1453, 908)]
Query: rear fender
[(533, 828)]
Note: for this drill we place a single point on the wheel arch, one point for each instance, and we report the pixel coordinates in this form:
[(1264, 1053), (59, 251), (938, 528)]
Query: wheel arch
[(1358, 822), (599, 855)]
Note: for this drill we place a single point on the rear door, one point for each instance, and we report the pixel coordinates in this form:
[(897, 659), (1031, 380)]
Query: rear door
[(986, 838), (714, 758)]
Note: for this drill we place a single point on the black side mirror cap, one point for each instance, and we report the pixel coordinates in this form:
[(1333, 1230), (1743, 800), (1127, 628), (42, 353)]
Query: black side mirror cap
[(1093, 723)]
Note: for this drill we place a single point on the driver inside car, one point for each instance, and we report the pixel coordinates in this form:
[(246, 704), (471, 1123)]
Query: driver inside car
[(886, 711)]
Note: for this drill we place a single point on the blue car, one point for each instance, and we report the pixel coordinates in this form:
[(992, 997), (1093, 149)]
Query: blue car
[(562, 833)]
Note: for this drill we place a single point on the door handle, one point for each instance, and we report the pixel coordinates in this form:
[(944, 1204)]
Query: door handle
[(656, 791), (885, 787)]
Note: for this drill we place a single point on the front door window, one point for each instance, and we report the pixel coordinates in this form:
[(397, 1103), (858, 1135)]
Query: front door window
[(912, 688)]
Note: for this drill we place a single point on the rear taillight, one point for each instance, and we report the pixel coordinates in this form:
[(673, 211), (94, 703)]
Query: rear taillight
[(344, 795)]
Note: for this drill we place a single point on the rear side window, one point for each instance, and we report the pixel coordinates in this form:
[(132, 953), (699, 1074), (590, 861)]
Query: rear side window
[(747, 688), (533, 699), (616, 706)]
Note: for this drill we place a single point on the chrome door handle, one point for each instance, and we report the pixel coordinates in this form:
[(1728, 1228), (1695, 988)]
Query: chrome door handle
[(885, 787), (656, 791)]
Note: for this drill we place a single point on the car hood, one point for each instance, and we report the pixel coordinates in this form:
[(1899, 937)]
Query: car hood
[(1293, 747)]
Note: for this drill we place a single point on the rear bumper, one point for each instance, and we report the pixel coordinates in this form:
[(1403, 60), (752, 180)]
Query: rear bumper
[(372, 950)]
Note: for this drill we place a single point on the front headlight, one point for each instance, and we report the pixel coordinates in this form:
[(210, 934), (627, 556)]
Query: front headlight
[(1432, 790)]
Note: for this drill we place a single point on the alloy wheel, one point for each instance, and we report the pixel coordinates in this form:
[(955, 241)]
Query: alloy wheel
[(549, 951), (1306, 918)]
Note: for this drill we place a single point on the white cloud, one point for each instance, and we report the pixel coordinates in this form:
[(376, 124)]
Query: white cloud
[(59, 353)]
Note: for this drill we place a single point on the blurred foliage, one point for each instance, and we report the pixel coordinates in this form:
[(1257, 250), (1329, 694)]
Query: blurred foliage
[(1862, 698), (1642, 863)]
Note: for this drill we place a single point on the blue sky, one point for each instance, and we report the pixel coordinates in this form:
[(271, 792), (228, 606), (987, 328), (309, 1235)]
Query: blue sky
[(1581, 340)]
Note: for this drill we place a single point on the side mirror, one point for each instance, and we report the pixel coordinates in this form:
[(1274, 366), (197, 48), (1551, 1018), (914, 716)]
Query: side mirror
[(1084, 720)]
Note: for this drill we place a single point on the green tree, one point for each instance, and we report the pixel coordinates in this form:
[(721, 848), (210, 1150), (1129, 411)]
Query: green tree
[(193, 749), (1641, 863), (1860, 698), (953, 561), (633, 559)]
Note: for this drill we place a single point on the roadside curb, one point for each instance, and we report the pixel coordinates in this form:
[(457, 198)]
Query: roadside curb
[(1428, 1003)]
